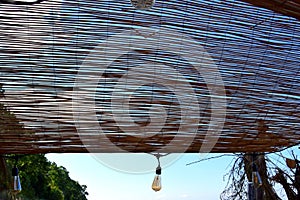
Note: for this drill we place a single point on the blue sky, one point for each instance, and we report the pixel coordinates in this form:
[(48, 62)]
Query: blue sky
[(198, 181)]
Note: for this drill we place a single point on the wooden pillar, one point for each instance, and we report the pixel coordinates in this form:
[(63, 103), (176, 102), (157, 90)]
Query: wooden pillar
[(4, 182)]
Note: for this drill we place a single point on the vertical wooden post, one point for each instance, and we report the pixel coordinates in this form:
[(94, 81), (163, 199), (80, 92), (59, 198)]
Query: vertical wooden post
[(4, 183), (251, 191)]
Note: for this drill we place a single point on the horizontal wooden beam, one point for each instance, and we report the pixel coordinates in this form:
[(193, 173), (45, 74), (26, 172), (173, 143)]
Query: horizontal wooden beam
[(64, 143)]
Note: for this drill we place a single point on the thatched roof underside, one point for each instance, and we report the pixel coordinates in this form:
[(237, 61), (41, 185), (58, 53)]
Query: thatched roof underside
[(48, 50)]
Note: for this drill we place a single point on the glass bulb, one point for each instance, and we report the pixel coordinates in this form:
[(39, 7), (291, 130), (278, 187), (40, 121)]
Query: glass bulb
[(16, 180), (256, 179), (156, 185), (142, 4), (17, 184)]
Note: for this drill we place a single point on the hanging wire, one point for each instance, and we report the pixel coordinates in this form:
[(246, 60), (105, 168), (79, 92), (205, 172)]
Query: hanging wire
[(159, 155)]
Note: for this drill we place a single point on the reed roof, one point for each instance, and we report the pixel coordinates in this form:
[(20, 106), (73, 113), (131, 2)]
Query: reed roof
[(255, 46)]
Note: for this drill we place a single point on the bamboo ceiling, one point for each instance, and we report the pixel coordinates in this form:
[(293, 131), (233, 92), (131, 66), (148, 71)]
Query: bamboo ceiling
[(44, 47)]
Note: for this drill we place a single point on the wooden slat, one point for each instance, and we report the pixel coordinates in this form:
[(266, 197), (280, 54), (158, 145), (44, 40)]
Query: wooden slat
[(256, 51), (55, 143)]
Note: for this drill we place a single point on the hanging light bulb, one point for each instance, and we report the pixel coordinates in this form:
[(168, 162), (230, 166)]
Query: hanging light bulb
[(16, 180), (156, 185), (256, 179), (142, 4)]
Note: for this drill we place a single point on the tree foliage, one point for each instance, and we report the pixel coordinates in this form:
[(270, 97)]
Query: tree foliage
[(9, 124), (40, 179)]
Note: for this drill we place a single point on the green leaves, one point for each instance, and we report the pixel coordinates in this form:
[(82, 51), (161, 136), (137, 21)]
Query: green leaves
[(42, 179)]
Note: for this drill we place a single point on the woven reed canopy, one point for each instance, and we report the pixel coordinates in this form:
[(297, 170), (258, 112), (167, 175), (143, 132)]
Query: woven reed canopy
[(219, 76)]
